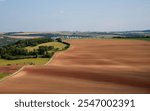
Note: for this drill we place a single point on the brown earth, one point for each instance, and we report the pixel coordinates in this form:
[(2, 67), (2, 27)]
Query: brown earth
[(89, 66), (9, 69)]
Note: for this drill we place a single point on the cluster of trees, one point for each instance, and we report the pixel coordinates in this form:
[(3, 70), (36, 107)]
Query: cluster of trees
[(18, 51), (13, 53), (31, 42)]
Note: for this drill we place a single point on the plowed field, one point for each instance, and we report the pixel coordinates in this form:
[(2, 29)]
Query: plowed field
[(88, 66)]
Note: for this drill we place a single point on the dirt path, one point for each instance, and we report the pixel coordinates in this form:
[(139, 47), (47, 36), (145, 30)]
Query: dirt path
[(89, 66)]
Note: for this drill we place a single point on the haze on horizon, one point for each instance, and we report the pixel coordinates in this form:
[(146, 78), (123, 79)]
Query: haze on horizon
[(74, 15)]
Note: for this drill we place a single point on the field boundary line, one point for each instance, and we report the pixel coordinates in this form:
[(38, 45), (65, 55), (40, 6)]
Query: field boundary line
[(13, 74), (50, 60)]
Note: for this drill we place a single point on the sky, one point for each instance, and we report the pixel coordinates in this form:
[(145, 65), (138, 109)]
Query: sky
[(74, 15)]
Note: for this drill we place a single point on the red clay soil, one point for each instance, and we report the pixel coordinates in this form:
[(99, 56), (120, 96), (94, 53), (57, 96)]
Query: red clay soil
[(89, 66), (9, 69)]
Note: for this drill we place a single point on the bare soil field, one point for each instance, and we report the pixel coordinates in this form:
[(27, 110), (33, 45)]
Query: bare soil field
[(9, 69), (88, 66)]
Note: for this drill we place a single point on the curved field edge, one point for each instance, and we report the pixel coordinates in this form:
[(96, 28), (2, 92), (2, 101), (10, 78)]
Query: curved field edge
[(2, 75), (37, 61), (10, 75), (63, 50), (120, 73), (57, 45)]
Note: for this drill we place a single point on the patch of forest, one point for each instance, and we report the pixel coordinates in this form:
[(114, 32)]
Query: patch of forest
[(17, 50)]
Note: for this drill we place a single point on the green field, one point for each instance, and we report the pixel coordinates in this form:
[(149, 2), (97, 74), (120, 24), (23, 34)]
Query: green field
[(2, 75), (35, 61), (57, 45)]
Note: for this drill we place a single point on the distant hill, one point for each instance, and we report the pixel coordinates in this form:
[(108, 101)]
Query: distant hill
[(146, 31), (78, 34)]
